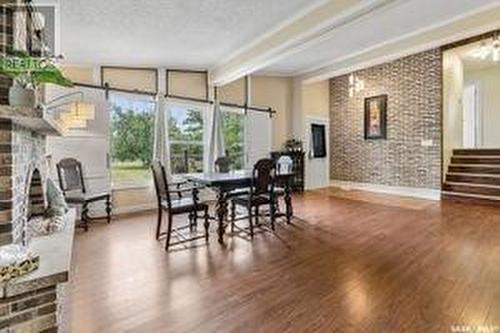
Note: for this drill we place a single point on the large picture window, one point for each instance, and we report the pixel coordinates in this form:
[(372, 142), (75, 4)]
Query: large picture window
[(186, 136), (233, 123), (132, 135)]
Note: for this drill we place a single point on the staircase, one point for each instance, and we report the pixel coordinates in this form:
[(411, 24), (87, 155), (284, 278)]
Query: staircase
[(473, 175)]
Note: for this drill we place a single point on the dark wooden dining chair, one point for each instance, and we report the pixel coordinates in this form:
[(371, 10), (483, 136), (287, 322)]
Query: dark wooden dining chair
[(261, 192), (179, 205), (223, 164), (70, 174)]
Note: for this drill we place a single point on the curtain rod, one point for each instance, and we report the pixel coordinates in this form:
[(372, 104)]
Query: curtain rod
[(230, 105), (108, 88)]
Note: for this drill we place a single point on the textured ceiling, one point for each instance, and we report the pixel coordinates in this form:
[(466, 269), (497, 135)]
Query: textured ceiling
[(404, 17), (188, 33)]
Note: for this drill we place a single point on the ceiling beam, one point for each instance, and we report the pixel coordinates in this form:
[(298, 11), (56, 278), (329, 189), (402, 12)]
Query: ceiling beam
[(471, 24), (312, 27)]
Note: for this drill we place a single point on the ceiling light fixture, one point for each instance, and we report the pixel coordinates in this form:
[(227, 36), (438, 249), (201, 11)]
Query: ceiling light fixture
[(355, 85), (489, 49)]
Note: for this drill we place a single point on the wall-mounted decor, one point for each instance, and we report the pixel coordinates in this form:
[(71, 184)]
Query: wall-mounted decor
[(375, 117), (318, 137)]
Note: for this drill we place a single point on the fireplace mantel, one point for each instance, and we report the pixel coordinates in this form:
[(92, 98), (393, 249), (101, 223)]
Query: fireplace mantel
[(35, 119)]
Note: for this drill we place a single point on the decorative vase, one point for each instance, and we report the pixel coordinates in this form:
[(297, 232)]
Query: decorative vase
[(19, 96)]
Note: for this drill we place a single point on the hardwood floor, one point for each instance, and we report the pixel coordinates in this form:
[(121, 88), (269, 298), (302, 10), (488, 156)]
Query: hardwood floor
[(352, 262)]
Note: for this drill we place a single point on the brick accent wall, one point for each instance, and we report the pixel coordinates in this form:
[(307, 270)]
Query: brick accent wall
[(414, 88)]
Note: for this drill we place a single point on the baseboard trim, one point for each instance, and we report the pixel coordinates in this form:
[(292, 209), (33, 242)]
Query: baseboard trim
[(134, 209), (414, 192)]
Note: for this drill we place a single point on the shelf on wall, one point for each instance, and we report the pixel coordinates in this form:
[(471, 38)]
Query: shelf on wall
[(34, 119)]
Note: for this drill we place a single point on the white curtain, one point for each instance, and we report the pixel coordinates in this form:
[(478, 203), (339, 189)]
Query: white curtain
[(216, 145), (161, 150)]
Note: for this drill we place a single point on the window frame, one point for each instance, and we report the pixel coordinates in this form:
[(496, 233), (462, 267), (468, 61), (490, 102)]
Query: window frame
[(137, 184), (204, 109), (245, 130)]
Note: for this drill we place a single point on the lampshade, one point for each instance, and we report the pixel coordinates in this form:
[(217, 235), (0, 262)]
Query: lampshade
[(83, 111), (68, 120)]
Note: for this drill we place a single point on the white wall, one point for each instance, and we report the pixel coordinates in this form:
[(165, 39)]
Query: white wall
[(488, 83), (315, 105), (453, 85)]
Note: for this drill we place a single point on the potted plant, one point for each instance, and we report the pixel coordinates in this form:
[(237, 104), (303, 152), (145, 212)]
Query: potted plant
[(28, 73)]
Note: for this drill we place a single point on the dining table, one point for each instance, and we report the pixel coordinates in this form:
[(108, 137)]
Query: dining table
[(223, 183)]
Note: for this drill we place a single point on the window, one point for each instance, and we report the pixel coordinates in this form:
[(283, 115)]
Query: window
[(132, 135), (233, 124), (186, 134)]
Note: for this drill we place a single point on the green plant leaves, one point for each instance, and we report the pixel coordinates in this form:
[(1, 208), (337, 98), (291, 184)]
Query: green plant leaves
[(30, 72)]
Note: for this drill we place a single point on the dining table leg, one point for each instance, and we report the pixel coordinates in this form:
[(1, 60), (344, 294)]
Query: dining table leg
[(288, 202), (221, 211)]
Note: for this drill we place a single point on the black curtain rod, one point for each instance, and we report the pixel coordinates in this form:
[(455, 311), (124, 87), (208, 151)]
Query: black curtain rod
[(230, 105), (108, 88)]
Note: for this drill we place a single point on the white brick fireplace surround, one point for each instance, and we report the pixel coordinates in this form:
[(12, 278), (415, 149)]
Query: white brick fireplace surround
[(32, 302)]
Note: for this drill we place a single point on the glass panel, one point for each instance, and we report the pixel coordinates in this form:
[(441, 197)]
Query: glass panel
[(132, 135), (186, 139), (233, 123)]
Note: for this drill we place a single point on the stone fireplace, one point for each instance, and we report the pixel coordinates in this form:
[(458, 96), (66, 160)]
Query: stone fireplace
[(23, 172), (31, 302)]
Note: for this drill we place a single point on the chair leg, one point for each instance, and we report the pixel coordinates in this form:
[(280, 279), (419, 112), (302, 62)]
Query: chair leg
[(206, 224), (85, 217), (108, 209), (272, 209), (191, 219), (195, 220), (169, 231), (158, 224), (233, 215), (250, 220), (257, 213)]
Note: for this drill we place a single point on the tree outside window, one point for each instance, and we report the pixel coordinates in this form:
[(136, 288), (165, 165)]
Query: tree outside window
[(132, 135), (233, 123), (186, 134)]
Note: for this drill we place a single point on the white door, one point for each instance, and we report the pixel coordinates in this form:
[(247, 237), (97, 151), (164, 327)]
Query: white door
[(470, 117), (258, 137), (317, 169)]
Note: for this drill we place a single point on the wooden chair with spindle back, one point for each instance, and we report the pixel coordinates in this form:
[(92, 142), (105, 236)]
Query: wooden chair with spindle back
[(223, 164), (261, 192), (71, 181), (176, 206)]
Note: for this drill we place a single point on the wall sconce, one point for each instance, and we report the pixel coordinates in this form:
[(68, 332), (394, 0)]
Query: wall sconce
[(355, 85)]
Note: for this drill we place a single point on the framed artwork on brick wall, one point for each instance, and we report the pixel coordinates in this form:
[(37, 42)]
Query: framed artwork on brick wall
[(376, 117)]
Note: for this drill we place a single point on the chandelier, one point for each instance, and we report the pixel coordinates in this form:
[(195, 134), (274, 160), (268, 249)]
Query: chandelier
[(488, 49)]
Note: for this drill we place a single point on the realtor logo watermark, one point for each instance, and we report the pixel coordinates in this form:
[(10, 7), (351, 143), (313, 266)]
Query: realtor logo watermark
[(28, 27), (475, 329)]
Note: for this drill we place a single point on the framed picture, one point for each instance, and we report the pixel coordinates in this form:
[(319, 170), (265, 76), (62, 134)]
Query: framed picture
[(375, 117)]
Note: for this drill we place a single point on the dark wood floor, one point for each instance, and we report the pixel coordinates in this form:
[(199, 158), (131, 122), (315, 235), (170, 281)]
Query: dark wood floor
[(354, 262)]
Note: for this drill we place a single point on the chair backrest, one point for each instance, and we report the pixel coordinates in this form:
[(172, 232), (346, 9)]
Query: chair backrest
[(264, 172), (161, 184), (223, 164), (70, 174), (284, 165)]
